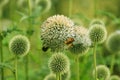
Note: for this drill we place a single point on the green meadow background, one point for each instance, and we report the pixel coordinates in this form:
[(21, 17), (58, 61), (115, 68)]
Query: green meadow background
[(15, 16)]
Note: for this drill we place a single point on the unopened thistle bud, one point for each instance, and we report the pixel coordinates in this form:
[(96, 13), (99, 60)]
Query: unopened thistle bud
[(19, 45), (103, 72), (97, 33), (59, 63), (113, 42)]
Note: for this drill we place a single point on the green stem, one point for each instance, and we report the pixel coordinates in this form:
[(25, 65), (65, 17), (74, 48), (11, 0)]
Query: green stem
[(70, 7), (58, 77), (94, 52), (95, 8), (29, 7), (1, 58), (29, 28), (112, 63), (77, 65), (16, 76), (27, 67)]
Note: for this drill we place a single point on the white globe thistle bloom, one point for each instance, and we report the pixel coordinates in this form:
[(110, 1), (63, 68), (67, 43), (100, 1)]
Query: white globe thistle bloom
[(81, 40), (55, 30)]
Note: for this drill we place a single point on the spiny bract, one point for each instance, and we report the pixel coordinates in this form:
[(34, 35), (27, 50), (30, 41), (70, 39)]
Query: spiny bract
[(97, 33), (102, 72), (59, 63), (55, 30), (19, 45), (82, 40), (114, 77), (113, 42)]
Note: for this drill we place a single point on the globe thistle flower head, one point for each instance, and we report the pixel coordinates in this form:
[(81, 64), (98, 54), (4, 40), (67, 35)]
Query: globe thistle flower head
[(19, 45), (97, 33), (114, 77), (55, 30), (113, 42), (97, 21), (51, 76), (59, 63), (102, 72), (82, 40)]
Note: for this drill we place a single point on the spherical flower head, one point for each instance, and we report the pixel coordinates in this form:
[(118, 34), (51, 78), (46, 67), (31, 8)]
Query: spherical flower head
[(55, 30), (59, 63), (81, 40), (19, 45), (97, 21), (114, 77), (113, 42), (97, 33), (51, 76), (103, 72)]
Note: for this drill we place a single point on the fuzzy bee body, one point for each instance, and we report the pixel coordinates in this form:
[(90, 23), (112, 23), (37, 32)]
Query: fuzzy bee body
[(69, 42)]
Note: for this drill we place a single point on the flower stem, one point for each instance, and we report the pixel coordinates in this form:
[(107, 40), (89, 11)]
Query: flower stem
[(58, 76), (70, 7), (77, 65), (95, 8), (112, 63), (16, 76), (26, 67), (29, 28), (1, 58), (94, 52)]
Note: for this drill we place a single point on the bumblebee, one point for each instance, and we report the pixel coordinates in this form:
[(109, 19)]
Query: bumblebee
[(69, 42)]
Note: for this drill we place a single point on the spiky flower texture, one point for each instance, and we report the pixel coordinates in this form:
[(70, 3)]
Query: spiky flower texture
[(103, 72), (113, 42), (55, 30), (19, 45), (64, 76), (59, 63), (114, 77), (97, 33), (97, 21), (81, 40)]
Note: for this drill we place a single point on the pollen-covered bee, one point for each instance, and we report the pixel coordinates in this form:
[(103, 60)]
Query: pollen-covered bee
[(69, 42), (44, 48)]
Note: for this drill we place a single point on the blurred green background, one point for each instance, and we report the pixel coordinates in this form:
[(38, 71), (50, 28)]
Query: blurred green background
[(14, 15)]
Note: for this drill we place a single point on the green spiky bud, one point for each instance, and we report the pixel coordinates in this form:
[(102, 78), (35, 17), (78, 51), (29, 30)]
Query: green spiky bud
[(59, 63), (113, 42), (97, 33), (97, 21), (81, 41), (55, 30), (51, 76), (103, 72), (19, 45), (114, 77)]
